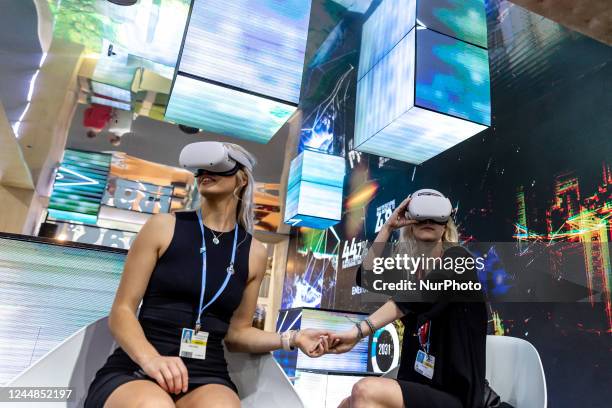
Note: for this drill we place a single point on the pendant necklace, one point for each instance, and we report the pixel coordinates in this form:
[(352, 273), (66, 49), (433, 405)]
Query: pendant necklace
[(216, 237)]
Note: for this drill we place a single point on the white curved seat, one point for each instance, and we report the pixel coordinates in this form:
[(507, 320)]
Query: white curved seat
[(514, 371), (260, 380)]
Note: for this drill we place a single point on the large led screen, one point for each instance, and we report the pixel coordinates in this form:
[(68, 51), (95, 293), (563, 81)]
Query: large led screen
[(452, 77), (420, 134), (79, 186), (386, 91), (383, 29), (217, 109), (254, 45), (465, 20), (49, 292)]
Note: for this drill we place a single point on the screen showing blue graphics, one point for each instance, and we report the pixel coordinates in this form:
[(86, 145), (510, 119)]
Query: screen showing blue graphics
[(79, 186), (253, 45), (452, 77), (314, 190), (384, 28), (465, 20), (226, 111)]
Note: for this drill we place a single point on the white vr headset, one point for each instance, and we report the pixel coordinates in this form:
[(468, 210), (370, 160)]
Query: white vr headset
[(214, 158), (428, 204)]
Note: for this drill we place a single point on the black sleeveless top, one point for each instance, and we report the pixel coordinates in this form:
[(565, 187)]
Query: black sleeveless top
[(172, 296)]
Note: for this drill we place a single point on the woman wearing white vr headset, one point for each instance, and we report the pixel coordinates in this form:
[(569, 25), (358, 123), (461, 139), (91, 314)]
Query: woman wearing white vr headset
[(443, 352), (198, 275)]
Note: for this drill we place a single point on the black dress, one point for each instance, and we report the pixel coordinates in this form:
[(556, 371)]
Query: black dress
[(458, 329), (171, 301)]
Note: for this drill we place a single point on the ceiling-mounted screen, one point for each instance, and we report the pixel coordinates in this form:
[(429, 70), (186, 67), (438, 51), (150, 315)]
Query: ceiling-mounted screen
[(254, 45), (226, 111), (465, 20), (452, 77), (386, 26)]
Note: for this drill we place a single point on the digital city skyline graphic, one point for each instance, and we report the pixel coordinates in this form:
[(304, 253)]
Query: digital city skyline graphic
[(573, 217)]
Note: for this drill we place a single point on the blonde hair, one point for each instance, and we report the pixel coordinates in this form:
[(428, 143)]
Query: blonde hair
[(407, 241), (246, 207), (245, 213)]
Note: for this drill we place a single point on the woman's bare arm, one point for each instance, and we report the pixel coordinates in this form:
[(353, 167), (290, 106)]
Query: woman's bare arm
[(151, 242), (242, 336)]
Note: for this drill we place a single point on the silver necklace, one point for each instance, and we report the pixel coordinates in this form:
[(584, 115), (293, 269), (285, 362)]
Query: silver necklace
[(216, 237)]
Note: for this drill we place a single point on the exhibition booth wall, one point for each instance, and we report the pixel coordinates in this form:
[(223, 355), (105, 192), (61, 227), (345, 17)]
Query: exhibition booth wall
[(540, 175)]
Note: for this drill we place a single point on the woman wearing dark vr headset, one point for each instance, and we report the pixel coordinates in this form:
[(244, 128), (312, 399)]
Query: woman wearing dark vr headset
[(198, 275), (443, 353)]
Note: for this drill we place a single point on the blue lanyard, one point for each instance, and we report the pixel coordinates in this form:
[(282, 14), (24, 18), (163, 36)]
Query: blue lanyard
[(229, 269)]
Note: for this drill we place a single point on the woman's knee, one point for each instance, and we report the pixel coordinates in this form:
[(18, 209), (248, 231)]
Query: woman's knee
[(139, 394), (210, 396), (363, 391)]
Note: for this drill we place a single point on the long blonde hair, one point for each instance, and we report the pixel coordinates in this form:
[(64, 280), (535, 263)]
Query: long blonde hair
[(245, 214)]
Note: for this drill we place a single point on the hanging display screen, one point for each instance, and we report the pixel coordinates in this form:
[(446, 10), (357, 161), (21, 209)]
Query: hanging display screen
[(254, 45)]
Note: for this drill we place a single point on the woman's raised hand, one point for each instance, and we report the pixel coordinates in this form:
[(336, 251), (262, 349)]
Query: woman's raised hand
[(398, 218), (169, 372)]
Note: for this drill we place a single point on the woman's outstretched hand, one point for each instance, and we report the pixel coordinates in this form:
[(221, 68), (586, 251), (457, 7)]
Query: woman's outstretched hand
[(343, 341), (312, 342)]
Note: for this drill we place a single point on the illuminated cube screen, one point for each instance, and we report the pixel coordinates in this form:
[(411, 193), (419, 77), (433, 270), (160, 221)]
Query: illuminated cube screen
[(383, 30), (418, 135), (413, 114), (465, 20), (79, 186), (453, 77), (225, 111), (314, 190), (420, 92), (254, 45), (386, 92)]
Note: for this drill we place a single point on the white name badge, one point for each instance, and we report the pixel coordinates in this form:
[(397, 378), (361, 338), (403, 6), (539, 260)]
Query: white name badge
[(424, 364), (193, 345)]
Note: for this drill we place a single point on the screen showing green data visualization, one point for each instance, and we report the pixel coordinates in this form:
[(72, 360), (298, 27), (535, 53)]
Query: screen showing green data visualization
[(79, 186)]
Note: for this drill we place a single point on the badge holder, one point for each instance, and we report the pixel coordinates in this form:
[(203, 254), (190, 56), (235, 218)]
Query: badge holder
[(425, 362)]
